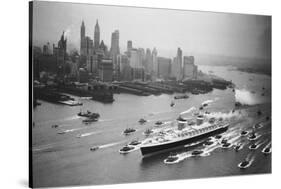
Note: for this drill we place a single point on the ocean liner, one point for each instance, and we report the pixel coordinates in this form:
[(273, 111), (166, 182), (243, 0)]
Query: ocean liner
[(185, 133)]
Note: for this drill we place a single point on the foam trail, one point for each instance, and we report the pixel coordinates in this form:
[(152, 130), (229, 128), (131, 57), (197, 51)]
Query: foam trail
[(87, 134), (246, 97), (207, 102), (224, 115), (69, 130), (188, 111), (110, 144)]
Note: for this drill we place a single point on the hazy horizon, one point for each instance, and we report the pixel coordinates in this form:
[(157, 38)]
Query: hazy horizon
[(195, 32)]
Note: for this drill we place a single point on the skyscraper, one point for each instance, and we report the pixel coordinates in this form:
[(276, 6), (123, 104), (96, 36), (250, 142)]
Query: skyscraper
[(177, 66), (114, 51), (115, 43), (82, 39), (97, 36), (129, 45), (154, 62)]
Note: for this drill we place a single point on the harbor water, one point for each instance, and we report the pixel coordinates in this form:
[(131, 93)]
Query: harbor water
[(66, 159)]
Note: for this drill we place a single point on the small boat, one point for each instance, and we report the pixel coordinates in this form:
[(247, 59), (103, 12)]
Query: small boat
[(181, 119), (204, 104), (201, 108), (172, 104), (126, 149), (88, 114), (266, 150), (129, 131), (171, 158), (224, 141), (226, 145), (244, 133), (135, 143), (55, 126), (94, 148), (181, 97), (148, 132), (253, 136), (90, 120), (259, 112), (159, 123), (142, 121), (244, 164), (208, 143), (253, 146), (218, 137), (197, 152), (237, 147), (207, 112), (61, 132)]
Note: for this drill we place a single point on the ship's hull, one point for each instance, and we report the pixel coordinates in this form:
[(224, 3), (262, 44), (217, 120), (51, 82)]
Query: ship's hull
[(152, 149)]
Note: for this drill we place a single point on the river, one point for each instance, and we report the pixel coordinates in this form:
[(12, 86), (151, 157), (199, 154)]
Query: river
[(66, 159)]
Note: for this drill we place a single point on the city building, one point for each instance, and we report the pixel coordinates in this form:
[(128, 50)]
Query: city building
[(105, 70), (114, 51), (47, 49), (125, 68), (97, 36), (176, 69), (164, 67), (60, 54), (136, 64), (129, 45), (82, 40), (189, 68), (154, 63)]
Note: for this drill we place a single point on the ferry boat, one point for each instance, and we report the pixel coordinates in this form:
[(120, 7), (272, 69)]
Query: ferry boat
[(184, 134)]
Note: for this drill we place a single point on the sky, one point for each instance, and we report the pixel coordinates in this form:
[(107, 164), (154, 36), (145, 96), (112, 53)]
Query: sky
[(194, 32)]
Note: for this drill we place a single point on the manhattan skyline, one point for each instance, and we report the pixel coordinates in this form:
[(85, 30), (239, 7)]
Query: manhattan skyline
[(195, 32)]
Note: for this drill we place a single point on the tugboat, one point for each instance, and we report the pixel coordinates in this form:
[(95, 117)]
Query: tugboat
[(253, 136), (88, 114), (148, 132), (135, 143), (266, 150), (244, 164), (129, 131), (159, 123), (253, 146), (126, 149), (226, 145), (197, 152), (171, 158), (244, 133), (237, 147), (142, 121), (94, 148)]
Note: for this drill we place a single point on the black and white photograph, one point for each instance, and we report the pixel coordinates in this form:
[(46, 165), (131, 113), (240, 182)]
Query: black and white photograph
[(124, 94)]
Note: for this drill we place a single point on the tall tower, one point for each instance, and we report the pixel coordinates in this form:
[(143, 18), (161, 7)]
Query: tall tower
[(115, 43), (97, 35), (82, 39), (154, 62)]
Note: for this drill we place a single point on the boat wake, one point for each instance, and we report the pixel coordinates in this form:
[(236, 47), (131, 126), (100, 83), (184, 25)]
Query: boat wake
[(88, 134), (110, 144), (188, 111), (70, 130)]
